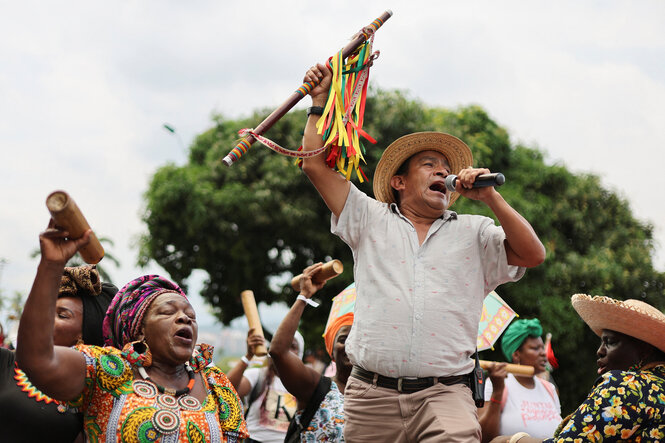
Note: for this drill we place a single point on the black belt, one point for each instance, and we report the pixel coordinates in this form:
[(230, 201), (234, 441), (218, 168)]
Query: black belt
[(406, 385)]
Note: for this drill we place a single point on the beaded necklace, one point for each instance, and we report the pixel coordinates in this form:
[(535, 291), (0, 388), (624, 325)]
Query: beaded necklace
[(184, 391)]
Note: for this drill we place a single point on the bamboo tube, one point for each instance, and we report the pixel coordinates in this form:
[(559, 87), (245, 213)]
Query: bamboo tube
[(510, 367), (68, 216), (252, 314), (329, 270)]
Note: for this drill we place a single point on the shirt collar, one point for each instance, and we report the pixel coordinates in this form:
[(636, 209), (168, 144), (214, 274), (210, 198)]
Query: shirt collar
[(447, 215)]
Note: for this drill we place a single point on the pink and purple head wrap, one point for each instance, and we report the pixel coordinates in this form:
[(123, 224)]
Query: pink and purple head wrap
[(124, 316)]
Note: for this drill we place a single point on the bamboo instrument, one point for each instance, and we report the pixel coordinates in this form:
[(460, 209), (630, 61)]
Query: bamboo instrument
[(329, 270), (67, 215), (252, 314), (301, 92), (510, 367)]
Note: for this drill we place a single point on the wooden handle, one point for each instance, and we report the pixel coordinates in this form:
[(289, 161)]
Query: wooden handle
[(329, 270), (252, 314), (67, 215), (510, 367)]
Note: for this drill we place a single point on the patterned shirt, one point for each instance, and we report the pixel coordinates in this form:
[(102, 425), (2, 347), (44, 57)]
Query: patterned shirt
[(418, 306), (623, 406), (328, 421), (117, 407)]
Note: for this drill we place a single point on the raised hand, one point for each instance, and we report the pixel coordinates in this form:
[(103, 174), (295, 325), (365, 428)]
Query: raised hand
[(56, 246), (307, 287), (319, 73), (253, 341)]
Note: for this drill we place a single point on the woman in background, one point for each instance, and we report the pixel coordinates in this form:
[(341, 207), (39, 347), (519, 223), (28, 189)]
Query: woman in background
[(28, 414), (517, 402)]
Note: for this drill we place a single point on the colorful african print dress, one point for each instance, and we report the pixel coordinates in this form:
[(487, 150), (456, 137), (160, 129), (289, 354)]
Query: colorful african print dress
[(623, 406), (117, 407), (328, 421)]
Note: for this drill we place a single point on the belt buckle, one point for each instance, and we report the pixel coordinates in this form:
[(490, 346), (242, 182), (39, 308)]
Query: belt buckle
[(399, 384)]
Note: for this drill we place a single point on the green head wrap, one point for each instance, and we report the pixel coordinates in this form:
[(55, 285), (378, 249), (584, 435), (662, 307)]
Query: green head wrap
[(516, 333)]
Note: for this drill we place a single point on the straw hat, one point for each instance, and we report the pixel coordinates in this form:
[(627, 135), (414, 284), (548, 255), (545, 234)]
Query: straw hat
[(631, 317), (455, 150)]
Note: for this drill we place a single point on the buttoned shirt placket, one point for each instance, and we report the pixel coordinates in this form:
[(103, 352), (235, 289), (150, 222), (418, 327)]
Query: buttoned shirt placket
[(419, 281)]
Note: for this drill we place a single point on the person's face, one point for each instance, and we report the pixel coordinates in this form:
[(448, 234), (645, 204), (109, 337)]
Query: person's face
[(170, 328), (423, 186), (617, 351), (339, 349), (532, 353), (68, 327)]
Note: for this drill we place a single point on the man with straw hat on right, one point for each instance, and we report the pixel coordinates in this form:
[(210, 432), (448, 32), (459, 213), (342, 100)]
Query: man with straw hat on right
[(627, 402), (421, 273)]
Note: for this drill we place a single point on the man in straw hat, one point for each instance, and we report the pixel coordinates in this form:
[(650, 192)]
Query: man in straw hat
[(627, 402), (421, 274)]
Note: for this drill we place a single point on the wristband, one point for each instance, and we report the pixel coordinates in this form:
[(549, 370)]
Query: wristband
[(316, 110), (244, 360), (309, 301), (494, 400), (517, 437)]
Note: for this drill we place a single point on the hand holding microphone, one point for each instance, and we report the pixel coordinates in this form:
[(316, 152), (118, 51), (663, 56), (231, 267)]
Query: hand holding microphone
[(482, 181)]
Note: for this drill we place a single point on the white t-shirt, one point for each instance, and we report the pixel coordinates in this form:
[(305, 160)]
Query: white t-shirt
[(536, 411), (268, 418)]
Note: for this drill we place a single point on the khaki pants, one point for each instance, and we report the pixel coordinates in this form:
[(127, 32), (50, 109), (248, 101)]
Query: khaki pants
[(439, 413)]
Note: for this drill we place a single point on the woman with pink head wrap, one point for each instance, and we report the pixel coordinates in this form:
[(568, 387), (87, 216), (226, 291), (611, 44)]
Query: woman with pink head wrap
[(152, 381)]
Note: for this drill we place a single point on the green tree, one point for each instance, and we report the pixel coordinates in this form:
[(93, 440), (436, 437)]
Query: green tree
[(261, 219)]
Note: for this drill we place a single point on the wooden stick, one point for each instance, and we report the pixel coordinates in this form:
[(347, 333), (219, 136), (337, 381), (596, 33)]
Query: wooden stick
[(510, 367), (67, 215), (252, 314), (329, 270), (301, 92)]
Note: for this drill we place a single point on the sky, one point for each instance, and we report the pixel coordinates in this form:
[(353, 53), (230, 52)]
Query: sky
[(86, 87)]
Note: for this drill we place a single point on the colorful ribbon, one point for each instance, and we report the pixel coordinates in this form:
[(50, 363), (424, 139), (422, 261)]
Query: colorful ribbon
[(343, 116), (277, 148)]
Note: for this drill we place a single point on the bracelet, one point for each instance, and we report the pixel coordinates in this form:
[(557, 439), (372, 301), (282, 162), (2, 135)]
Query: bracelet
[(316, 110), (494, 400), (244, 360), (309, 301), (517, 437)]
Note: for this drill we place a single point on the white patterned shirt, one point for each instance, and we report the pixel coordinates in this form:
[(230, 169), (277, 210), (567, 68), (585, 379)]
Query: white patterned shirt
[(418, 306)]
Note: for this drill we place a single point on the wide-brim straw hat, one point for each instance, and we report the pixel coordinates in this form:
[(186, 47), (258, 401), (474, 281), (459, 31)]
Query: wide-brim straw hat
[(455, 150), (631, 317)]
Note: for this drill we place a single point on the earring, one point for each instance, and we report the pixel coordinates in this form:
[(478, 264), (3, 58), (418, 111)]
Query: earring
[(137, 354), (202, 356)]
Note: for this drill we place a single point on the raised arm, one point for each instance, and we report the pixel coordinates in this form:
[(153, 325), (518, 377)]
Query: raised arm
[(523, 248), (298, 379), (57, 371), (332, 187), (235, 375)]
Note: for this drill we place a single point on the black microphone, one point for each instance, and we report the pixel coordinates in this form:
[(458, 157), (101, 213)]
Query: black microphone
[(482, 181)]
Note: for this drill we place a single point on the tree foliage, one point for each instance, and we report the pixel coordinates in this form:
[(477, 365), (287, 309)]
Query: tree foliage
[(261, 219)]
